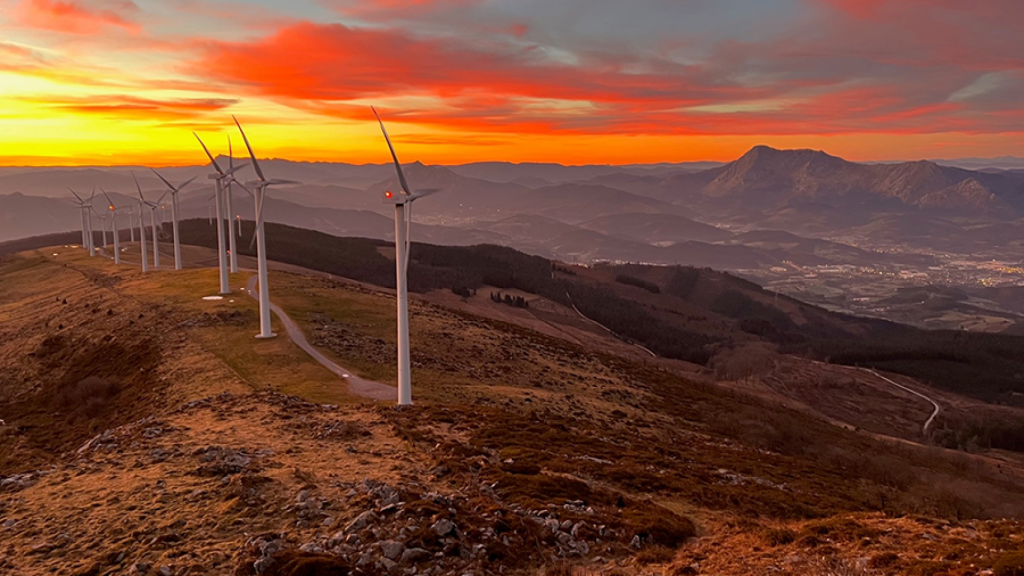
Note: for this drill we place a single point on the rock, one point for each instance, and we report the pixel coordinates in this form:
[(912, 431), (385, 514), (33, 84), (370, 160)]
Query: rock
[(391, 549), (390, 565), (443, 527), (361, 521), (566, 526), (552, 524), (312, 548), (262, 565), (413, 555), (635, 542), (165, 571), (138, 568)]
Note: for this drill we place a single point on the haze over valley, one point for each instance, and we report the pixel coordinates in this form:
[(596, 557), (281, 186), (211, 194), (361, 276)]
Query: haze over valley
[(863, 238)]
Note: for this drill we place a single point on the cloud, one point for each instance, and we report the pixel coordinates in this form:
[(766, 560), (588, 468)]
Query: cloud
[(77, 16), (118, 106), (776, 86)]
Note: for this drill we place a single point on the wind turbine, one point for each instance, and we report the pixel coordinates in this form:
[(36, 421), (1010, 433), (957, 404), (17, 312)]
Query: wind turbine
[(113, 224), (259, 237), (88, 223), (232, 221), (131, 221), (220, 177), (142, 226), (174, 213), (82, 213), (152, 222), (403, 218)]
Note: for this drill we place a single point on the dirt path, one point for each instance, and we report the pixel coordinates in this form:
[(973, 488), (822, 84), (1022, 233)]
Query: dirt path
[(356, 385), (605, 328), (935, 413)]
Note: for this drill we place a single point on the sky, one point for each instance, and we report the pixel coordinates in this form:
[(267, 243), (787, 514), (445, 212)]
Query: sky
[(114, 82)]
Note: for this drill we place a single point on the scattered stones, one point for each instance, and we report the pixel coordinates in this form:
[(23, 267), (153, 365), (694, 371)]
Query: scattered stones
[(391, 549), (443, 527)]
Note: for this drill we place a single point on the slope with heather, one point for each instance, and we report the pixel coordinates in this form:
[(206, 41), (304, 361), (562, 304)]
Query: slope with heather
[(520, 442)]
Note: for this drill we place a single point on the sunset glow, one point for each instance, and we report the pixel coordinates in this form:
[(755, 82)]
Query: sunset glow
[(578, 81)]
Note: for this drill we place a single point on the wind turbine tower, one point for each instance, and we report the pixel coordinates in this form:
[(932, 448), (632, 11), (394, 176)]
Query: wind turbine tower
[(403, 219), (259, 236)]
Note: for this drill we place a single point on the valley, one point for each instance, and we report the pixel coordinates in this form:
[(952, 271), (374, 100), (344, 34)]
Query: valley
[(844, 235)]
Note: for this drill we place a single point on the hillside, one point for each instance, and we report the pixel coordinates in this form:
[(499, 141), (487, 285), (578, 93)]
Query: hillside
[(230, 455)]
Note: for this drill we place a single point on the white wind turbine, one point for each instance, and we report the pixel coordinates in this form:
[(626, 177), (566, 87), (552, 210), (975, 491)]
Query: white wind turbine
[(113, 224), (233, 222), (220, 177), (142, 228), (83, 212), (174, 213), (259, 237), (152, 222), (403, 219)]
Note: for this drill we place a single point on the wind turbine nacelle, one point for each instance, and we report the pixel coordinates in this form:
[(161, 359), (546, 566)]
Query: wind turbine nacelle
[(394, 198)]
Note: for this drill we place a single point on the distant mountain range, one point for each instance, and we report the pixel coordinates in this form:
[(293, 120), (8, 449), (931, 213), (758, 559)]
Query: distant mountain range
[(767, 207)]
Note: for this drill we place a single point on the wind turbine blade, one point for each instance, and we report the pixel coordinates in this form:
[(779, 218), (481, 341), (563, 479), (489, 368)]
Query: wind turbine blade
[(186, 183), (93, 194), (139, 188), (236, 168), (231, 156), (398, 165), (160, 176), (107, 196), (161, 198), (408, 235), (425, 192), (255, 164), (277, 181), (259, 216), (77, 196), (207, 150), (242, 186)]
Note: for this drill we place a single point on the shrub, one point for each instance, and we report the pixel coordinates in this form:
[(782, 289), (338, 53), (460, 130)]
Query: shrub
[(658, 526), (89, 396), (780, 536), (655, 555), (639, 283), (1010, 565), (884, 560)]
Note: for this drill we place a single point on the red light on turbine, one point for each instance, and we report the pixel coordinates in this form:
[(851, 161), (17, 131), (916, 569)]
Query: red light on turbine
[(111, 207), (387, 194)]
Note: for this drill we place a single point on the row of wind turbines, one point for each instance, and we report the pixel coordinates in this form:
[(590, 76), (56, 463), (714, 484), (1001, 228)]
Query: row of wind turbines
[(227, 254)]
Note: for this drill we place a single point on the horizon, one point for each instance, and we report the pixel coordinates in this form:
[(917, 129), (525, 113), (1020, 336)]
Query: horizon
[(1005, 157), (117, 82)]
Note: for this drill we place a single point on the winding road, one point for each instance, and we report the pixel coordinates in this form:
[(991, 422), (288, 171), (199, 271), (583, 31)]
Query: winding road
[(356, 385), (935, 404)]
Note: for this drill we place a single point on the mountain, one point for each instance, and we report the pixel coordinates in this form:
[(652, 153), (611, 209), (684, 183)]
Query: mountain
[(769, 179), (660, 229), (575, 203), (558, 173), (22, 216), (999, 163)]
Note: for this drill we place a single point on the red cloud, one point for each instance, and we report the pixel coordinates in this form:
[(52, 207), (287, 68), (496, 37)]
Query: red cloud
[(133, 107), (838, 81), (336, 62), (76, 17)]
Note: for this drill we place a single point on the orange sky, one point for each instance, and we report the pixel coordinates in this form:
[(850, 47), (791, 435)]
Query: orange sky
[(578, 81)]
